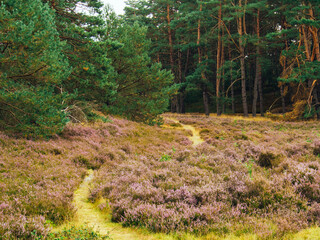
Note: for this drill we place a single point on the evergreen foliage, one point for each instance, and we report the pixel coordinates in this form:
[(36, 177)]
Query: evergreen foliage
[(32, 67), (60, 60), (63, 59), (237, 51), (142, 86)]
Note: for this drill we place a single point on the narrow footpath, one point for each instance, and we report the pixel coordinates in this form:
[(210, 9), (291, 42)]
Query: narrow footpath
[(195, 138), (88, 214)]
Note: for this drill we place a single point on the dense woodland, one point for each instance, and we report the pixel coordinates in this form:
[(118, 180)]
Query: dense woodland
[(237, 56), (65, 60)]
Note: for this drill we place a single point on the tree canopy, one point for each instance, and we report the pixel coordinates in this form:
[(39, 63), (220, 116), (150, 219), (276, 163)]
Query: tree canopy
[(64, 60), (60, 60)]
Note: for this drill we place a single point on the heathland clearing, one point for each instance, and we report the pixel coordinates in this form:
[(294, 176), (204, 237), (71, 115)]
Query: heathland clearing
[(246, 180)]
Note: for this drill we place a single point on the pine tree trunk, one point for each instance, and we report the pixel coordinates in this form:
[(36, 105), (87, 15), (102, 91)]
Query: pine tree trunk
[(206, 102), (315, 38), (170, 38), (218, 74), (258, 70), (283, 102), (255, 87), (223, 93), (231, 82), (205, 91), (181, 103), (222, 73), (232, 103), (180, 95), (242, 66), (261, 97), (174, 104)]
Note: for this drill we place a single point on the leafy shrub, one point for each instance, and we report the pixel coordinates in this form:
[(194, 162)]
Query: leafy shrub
[(80, 233)]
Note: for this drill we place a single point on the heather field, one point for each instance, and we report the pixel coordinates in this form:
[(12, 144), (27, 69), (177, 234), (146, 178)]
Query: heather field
[(192, 178), (38, 178)]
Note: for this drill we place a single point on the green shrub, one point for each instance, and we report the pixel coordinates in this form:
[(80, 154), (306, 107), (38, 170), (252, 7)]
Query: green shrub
[(81, 233)]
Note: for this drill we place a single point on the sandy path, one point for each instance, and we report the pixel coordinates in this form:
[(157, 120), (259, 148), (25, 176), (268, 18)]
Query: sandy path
[(195, 138), (89, 214)]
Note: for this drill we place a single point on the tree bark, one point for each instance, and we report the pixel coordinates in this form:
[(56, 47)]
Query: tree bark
[(231, 82), (261, 97), (170, 38), (222, 74), (316, 50), (180, 95), (218, 73), (205, 90), (174, 101), (206, 102), (283, 102), (242, 66), (258, 69)]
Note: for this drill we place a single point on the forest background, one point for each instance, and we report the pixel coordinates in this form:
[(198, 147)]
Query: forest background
[(68, 60)]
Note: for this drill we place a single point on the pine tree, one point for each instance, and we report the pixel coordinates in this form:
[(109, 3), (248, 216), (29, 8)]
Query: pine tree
[(81, 27), (32, 69), (300, 57), (143, 88)]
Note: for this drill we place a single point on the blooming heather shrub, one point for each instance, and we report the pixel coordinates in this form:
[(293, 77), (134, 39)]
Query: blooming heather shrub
[(19, 226), (36, 185), (38, 178), (316, 148), (269, 160), (205, 188), (209, 187), (92, 163), (306, 180)]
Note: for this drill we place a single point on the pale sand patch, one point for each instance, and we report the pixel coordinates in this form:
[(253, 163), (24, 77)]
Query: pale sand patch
[(195, 138), (87, 214)]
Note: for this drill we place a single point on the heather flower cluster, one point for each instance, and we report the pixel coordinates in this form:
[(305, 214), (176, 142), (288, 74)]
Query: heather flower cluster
[(37, 181), (38, 178), (259, 176), (248, 176)]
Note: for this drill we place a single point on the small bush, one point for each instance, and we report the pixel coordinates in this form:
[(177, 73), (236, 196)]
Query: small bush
[(93, 163), (241, 137), (81, 233), (178, 125), (268, 160), (316, 148), (204, 131), (183, 155)]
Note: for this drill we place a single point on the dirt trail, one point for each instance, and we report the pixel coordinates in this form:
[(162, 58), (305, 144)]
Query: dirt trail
[(195, 138), (89, 214)]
